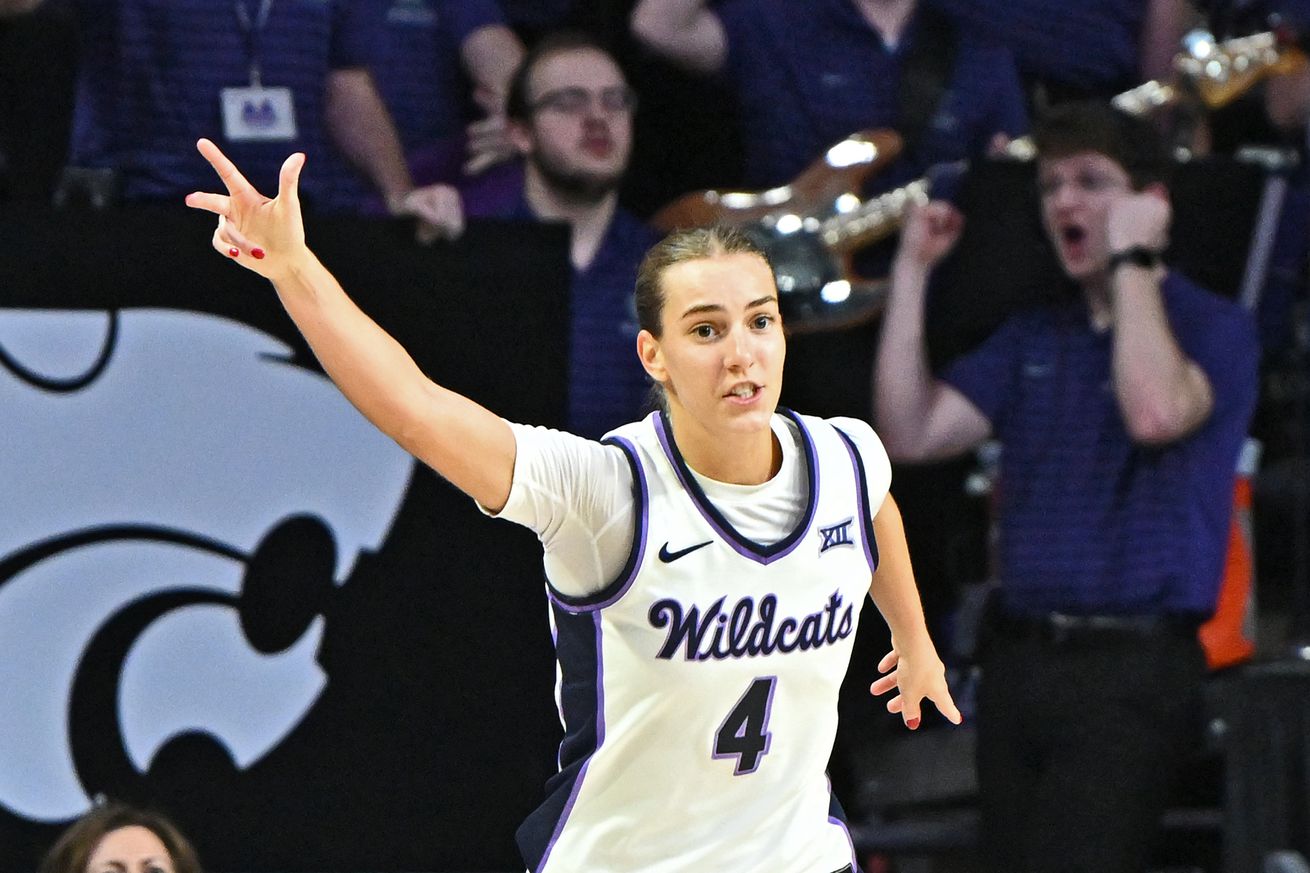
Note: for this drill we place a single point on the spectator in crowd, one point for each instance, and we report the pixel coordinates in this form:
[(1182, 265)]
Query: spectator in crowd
[(1068, 51), (116, 838), (263, 78), (807, 75), (439, 59), (570, 111), (1120, 414)]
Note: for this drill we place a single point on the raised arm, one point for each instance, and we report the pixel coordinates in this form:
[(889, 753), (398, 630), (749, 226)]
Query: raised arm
[(918, 416), (912, 667), (362, 128), (1163, 395), (461, 440), (1163, 27), (490, 56), (685, 32), (1287, 100), (10, 8)]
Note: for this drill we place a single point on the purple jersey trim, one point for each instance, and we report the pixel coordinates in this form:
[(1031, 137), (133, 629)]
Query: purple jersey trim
[(614, 590), (600, 740), (850, 844), (866, 510), (758, 552), (837, 816)]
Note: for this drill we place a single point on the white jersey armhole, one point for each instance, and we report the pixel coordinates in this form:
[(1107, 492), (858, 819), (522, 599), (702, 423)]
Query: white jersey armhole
[(576, 494), (877, 466)]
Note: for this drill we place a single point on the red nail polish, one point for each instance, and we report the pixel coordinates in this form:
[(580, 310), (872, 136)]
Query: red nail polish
[(233, 252), (258, 254), (912, 723)]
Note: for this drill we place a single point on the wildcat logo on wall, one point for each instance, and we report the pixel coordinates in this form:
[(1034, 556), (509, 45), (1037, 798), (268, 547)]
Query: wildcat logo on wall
[(179, 495)]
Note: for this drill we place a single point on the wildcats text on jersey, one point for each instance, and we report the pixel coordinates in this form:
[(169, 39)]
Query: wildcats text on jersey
[(698, 690), (743, 633)]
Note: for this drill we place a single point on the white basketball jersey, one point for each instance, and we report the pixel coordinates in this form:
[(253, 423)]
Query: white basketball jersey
[(699, 689)]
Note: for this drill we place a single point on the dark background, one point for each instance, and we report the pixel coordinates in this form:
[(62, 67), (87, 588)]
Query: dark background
[(437, 728)]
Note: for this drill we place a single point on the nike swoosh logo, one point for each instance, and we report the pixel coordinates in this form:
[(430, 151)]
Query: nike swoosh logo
[(669, 557)]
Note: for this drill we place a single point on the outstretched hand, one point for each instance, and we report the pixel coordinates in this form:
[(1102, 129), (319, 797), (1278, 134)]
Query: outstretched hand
[(915, 677), (264, 235)]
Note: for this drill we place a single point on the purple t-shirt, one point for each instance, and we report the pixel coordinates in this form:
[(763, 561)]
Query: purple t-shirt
[(419, 71), (1293, 12), (151, 74), (1090, 45), (808, 74), (1090, 521)]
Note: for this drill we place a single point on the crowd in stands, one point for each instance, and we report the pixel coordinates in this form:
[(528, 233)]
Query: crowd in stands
[(1120, 410)]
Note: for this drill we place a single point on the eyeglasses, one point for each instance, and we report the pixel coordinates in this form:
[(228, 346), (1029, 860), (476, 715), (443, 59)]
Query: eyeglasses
[(575, 101), (1091, 182)]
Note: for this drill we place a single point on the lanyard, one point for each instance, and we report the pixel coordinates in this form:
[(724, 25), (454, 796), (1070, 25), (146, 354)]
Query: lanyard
[(252, 30)]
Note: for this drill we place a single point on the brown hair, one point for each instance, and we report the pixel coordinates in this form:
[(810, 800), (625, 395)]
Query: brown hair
[(517, 105), (690, 244), (73, 850), (1094, 126)]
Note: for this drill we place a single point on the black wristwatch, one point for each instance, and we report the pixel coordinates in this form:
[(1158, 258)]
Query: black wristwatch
[(1137, 256)]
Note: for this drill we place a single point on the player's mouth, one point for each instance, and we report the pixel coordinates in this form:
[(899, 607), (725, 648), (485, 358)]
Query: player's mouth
[(744, 393)]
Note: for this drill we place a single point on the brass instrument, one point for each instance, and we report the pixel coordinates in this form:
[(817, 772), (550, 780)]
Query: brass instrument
[(813, 227), (1217, 73)]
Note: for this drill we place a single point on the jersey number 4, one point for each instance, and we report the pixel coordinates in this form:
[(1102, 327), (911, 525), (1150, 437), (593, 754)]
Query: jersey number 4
[(744, 734)]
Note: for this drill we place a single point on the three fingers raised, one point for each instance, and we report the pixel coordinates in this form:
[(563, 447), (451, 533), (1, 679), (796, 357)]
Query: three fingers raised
[(227, 171)]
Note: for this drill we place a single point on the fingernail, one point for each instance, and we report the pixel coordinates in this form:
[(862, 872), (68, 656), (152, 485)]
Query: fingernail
[(233, 252), (257, 254), (912, 723)]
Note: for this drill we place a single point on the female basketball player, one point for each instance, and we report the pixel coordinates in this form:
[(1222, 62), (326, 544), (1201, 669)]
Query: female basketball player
[(706, 565)]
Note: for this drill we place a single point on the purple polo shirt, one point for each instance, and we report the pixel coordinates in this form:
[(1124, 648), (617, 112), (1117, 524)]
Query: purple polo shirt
[(1293, 12), (1090, 521), (1090, 45), (808, 74), (607, 384), (419, 71), (151, 73)]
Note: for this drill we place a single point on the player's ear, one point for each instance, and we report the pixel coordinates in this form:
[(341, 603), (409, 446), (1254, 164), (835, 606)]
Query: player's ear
[(651, 355)]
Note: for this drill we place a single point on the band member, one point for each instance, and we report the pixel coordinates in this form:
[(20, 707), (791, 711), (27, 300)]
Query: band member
[(1120, 415)]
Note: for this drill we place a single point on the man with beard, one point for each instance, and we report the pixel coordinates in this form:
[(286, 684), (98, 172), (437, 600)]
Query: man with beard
[(570, 113)]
